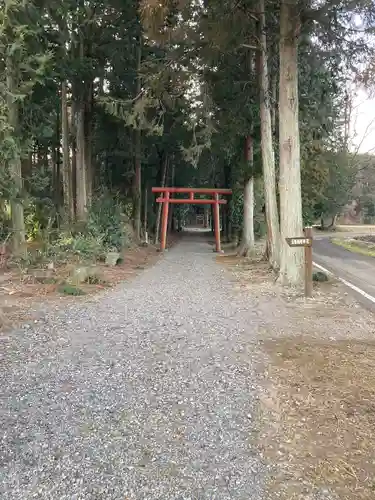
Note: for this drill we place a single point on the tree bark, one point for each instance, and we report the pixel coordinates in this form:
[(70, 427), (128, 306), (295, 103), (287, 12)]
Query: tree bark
[(292, 259), (56, 155), (81, 167), (56, 179), (74, 176), (81, 181), (171, 206), (333, 222), (274, 102), (248, 238), (15, 166), (137, 188), (348, 109), (67, 171), (27, 170), (145, 214), (268, 156), (229, 206), (88, 99), (158, 217)]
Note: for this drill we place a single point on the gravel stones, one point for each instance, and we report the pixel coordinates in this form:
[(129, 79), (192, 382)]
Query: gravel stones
[(145, 392)]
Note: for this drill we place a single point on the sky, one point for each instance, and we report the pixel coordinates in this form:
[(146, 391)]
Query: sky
[(363, 115), (363, 123)]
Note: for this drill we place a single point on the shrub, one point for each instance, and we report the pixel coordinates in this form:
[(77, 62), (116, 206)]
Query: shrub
[(106, 230), (106, 222), (67, 289), (320, 277)]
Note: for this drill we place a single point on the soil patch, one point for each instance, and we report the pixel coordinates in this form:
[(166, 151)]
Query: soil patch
[(320, 398)]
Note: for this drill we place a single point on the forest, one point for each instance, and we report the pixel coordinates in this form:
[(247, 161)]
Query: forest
[(100, 101)]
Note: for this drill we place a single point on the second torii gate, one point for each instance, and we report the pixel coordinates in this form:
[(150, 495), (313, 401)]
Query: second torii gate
[(166, 199)]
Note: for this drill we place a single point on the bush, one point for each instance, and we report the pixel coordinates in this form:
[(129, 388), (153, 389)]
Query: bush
[(41, 214), (5, 229), (67, 289), (320, 277), (106, 230), (83, 245), (106, 222)]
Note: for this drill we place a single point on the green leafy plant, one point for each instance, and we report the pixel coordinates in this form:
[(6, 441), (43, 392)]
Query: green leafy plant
[(67, 289), (320, 277), (94, 279), (106, 222)]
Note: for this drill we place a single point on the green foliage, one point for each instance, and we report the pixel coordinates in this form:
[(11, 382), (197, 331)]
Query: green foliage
[(94, 279), (320, 277), (337, 192), (369, 211), (107, 222), (198, 101), (237, 210), (40, 210), (309, 215), (137, 114), (85, 245), (236, 215), (105, 230), (8, 148), (72, 290)]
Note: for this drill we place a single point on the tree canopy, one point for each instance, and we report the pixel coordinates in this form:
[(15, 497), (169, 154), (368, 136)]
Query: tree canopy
[(99, 101)]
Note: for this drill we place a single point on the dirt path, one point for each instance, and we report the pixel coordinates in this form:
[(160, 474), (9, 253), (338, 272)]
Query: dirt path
[(148, 391)]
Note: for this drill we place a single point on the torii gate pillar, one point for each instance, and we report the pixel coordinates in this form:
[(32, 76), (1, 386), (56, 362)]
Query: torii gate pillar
[(167, 199)]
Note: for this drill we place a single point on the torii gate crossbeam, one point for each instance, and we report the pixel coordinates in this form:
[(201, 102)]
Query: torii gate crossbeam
[(166, 199)]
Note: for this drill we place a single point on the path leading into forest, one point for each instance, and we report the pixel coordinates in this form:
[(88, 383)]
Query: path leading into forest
[(147, 392)]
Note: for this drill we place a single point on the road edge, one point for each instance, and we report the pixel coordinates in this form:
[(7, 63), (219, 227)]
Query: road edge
[(355, 288)]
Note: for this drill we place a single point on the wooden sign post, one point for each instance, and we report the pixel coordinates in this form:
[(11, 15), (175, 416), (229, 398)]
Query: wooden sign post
[(306, 243)]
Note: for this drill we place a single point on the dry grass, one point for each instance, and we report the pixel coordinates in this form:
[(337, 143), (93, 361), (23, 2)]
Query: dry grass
[(355, 246), (321, 399), (317, 412), (251, 270), (360, 228)]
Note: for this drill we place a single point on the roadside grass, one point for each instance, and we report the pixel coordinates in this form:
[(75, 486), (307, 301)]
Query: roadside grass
[(363, 228), (355, 247), (322, 401)]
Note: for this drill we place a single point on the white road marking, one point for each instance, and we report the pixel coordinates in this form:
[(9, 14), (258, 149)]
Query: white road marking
[(347, 283)]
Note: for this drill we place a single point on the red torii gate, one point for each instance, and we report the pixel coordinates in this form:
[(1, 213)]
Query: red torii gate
[(167, 199)]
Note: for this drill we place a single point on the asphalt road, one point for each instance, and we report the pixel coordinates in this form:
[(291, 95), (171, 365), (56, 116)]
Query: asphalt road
[(357, 269)]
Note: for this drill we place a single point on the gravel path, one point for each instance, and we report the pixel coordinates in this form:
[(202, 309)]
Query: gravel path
[(147, 392)]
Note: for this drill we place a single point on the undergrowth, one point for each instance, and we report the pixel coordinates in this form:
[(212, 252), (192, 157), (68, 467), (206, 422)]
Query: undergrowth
[(106, 229), (67, 289)]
